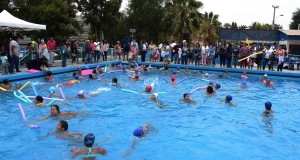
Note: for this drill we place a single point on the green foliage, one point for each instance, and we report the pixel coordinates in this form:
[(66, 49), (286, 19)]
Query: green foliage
[(209, 27), (102, 15), (58, 15), (182, 16), (295, 19), (234, 25)]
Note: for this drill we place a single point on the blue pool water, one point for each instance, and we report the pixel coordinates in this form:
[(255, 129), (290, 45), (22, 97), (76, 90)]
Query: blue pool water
[(208, 130)]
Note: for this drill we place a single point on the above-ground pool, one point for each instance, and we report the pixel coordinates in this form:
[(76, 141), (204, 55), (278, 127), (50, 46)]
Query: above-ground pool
[(209, 129)]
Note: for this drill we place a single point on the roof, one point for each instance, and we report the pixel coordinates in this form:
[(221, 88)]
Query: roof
[(291, 32), (8, 20)]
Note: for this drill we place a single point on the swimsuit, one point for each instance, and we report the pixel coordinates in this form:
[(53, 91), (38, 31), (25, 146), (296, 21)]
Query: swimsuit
[(90, 154)]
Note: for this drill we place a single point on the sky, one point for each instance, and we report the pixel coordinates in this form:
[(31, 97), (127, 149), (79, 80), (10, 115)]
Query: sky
[(246, 12)]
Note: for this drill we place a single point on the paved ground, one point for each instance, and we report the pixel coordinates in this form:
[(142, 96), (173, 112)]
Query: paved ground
[(58, 64)]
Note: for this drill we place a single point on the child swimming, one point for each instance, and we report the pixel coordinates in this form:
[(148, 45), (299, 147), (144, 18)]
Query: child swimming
[(89, 152), (49, 76), (39, 101), (75, 80)]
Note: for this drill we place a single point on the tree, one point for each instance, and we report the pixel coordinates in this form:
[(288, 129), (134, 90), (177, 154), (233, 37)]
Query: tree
[(102, 15), (234, 25), (227, 25), (146, 17), (183, 17), (209, 27), (58, 15), (243, 27), (295, 19)]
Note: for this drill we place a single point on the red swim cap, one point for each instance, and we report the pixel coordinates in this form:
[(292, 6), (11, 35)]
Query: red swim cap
[(173, 78), (149, 88)]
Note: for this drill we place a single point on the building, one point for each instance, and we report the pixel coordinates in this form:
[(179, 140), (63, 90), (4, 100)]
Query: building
[(290, 38)]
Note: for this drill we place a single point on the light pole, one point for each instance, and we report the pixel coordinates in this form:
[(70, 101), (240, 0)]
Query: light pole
[(276, 19), (275, 7)]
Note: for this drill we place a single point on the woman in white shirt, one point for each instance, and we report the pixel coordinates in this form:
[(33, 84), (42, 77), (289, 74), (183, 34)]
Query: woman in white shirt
[(204, 51), (268, 52)]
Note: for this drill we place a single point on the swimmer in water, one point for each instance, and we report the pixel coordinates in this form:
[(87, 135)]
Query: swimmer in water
[(210, 91), (6, 84), (83, 96), (244, 75), (75, 80), (217, 86), (56, 113), (269, 83), (139, 133), (148, 89), (228, 100), (114, 82), (62, 132), (243, 84), (268, 112), (173, 80), (49, 76), (18, 85), (89, 152), (187, 99), (39, 101), (52, 91), (264, 78)]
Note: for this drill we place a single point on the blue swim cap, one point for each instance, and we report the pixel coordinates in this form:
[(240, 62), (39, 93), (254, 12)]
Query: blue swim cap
[(268, 105), (210, 82), (89, 140), (174, 72), (138, 132), (228, 98), (218, 86), (52, 89), (76, 77)]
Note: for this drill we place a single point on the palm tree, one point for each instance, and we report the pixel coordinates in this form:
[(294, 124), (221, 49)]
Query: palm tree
[(183, 16), (209, 27)]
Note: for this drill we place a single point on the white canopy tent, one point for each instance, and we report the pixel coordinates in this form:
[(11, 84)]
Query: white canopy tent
[(9, 21)]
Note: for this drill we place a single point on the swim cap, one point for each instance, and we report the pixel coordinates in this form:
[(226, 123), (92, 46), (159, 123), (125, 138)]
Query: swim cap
[(81, 93), (206, 74), (138, 132), (156, 95), (218, 86), (52, 89), (268, 105), (149, 88), (173, 78), (265, 75), (174, 72), (76, 77), (228, 98), (89, 140), (210, 82)]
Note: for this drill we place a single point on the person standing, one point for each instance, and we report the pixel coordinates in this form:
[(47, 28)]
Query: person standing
[(104, 49), (87, 52), (280, 53), (51, 43), (229, 55), (14, 49), (204, 51), (236, 51), (97, 51), (143, 51), (244, 52), (4, 62)]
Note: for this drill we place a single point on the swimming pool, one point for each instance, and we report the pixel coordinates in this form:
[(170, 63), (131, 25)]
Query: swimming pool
[(208, 130)]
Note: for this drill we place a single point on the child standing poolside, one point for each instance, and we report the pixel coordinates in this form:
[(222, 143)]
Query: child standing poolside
[(4, 63), (89, 152)]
